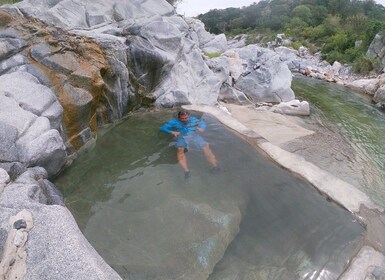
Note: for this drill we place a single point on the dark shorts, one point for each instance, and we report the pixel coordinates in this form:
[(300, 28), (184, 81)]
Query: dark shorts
[(191, 139)]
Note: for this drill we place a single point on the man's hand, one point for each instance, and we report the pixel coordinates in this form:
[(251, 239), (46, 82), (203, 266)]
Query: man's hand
[(175, 133), (200, 129)]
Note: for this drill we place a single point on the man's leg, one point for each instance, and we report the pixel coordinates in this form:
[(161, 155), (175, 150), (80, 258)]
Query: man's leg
[(210, 156), (182, 158)]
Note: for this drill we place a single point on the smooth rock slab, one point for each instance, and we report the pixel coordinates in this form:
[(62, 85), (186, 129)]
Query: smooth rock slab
[(56, 248)]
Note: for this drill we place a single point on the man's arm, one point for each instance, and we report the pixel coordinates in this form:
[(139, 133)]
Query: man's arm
[(167, 127), (201, 125)]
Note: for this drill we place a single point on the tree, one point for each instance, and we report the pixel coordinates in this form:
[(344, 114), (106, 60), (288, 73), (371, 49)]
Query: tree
[(303, 12)]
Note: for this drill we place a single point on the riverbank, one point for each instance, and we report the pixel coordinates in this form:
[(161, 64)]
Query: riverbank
[(296, 145)]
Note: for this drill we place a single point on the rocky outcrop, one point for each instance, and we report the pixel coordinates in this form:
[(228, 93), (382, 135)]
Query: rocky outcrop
[(208, 43), (377, 48), (253, 74)]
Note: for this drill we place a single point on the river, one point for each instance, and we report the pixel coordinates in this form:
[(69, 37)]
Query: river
[(355, 117)]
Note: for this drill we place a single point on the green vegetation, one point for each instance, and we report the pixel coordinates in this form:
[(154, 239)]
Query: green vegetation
[(365, 64), (212, 55), (3, 2), (333, 27)]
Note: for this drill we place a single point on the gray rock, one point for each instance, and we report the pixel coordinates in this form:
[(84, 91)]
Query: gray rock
[(27, 91), (377, 47), (11, 63), (40, 51), (47, 150), (208, 43), (10, 46), (172, 99), (229, 94), (14, 169), (37, 128), (52, 194), (69, 14), (8, 136), (64, 63), (379, 97), (4, 179), (293, 107), (265, 77), (78, 104), (54, 114), (238, 41)]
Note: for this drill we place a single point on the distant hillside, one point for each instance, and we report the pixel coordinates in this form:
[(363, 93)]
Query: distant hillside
[(341, 29)]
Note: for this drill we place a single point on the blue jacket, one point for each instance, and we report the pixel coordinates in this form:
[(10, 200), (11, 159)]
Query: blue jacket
[(184, 128)]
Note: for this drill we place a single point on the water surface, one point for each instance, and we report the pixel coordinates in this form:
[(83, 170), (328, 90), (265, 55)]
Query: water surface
[(353, 115), (253, 221)]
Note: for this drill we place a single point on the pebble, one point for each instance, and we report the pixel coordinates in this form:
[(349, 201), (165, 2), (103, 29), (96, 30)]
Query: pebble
[(20, 224)]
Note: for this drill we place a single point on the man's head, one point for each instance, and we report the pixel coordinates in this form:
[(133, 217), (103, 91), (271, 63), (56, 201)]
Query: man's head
[(183, 116)]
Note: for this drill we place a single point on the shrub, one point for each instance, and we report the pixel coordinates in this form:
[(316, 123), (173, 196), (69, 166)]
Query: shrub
[(334, 56), (365, 64)]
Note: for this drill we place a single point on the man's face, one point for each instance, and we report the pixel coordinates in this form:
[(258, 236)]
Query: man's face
[(184, 118)]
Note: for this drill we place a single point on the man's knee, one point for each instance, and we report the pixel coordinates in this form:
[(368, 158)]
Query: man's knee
[(206, 147), (180, 152)]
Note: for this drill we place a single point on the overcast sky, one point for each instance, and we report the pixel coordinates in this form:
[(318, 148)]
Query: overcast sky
[(192, 8)]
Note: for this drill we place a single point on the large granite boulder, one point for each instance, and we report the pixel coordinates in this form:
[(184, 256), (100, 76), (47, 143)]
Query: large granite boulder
[(56, 248), (377, 48), (379, 97), (257, 72), (27, 110), (208, 43)]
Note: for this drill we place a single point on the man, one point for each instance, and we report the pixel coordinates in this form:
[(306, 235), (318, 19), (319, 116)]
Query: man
[(185, 129)]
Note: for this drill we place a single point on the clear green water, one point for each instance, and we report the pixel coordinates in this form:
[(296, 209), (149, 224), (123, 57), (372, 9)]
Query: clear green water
[(354, 116), (253, 221)]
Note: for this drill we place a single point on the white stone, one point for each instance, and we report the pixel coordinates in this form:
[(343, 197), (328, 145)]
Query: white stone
[(364, 85), (293, 107)]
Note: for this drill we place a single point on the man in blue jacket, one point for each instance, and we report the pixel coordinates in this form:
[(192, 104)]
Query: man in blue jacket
[(185, 129)]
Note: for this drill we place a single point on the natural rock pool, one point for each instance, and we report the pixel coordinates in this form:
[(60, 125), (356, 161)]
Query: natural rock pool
[(253, 221)]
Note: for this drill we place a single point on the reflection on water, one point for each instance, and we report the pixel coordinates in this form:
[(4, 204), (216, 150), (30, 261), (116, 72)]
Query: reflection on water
[(356, 117), (253, 221)]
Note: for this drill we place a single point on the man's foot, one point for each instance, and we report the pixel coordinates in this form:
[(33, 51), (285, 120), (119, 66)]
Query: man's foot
[(216, 170), (187, 175)]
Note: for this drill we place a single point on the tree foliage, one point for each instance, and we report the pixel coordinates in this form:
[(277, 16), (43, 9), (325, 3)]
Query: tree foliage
[(332, 26)]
